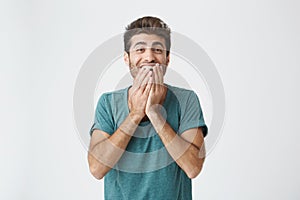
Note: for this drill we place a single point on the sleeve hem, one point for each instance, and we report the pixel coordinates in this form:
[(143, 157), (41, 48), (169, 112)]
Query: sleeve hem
[(94, 127), (194, 124)]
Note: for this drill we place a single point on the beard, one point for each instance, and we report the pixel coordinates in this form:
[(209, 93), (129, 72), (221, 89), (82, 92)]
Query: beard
[(133, 70)]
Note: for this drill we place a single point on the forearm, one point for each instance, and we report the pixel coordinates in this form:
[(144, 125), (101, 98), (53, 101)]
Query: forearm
[(186, 155), (106, 153)]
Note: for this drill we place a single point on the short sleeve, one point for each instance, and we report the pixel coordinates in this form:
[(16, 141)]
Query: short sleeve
[(191, 115), (103, 116)]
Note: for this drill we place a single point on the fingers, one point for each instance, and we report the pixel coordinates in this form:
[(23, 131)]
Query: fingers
[(146, 80), (144, 74), (159, 74), (141, 76), (148, 86), (138, 80)]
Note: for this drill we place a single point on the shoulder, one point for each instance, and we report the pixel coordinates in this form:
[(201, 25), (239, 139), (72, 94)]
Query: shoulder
[(108, 99), (112, 95), (176, 89), (181, 93)]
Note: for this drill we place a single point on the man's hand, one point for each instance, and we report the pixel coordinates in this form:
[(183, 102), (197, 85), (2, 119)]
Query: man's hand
[(139, 92), (158, 90)]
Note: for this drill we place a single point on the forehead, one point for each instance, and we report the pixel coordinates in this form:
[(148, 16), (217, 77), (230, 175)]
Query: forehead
[(148, 39)]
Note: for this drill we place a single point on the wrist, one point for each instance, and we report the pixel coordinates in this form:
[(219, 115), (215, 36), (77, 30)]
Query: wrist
[(153, 113), (154, 110), (157, 119), (130, 124), (136, 116)]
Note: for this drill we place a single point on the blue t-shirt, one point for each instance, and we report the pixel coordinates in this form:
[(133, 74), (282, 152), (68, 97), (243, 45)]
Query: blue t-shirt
[(146, 170)]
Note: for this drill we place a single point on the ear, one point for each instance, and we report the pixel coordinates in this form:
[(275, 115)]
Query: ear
[(126, 58), (168, 59)]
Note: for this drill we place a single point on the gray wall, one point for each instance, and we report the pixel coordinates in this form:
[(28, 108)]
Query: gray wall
[(254, 45)]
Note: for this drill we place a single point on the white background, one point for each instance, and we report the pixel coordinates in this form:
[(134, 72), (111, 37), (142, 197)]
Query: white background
[(255, 46)]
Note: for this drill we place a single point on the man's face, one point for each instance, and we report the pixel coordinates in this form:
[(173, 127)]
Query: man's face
[(146, 50)]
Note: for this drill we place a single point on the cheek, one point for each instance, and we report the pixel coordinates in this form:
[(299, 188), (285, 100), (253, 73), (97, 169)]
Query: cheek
[(163, 60), (135, 59)]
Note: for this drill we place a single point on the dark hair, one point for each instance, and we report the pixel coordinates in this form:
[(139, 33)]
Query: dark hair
[(148, 25)]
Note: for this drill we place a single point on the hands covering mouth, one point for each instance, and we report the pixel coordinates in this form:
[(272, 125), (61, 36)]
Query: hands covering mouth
[(148, 89)]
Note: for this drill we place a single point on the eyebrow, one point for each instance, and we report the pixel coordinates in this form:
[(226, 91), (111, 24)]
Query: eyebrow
[(157, 43), (153, 44), (139, 43)]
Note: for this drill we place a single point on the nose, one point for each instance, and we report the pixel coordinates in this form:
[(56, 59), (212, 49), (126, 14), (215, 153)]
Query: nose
[(149, 55)]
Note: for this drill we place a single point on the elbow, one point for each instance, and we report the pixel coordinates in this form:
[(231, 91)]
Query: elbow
[(97, 176), (95, 167), (96, 172), (192, 176), (194, 172)]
